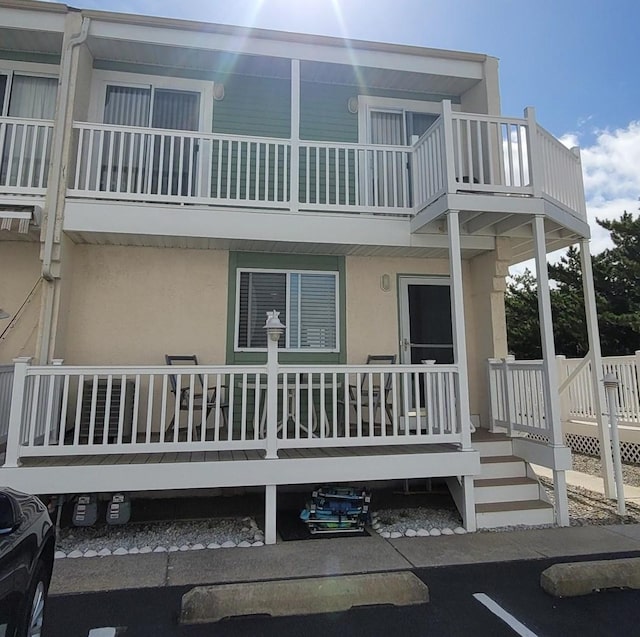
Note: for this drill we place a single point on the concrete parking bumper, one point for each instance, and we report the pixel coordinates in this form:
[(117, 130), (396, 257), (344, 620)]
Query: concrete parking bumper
[(310, 596), (581, 578)]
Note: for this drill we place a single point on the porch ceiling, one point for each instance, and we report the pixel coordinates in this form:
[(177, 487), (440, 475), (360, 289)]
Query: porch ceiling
[(220, 62), (498, 216), (30, 41), (204, 243)]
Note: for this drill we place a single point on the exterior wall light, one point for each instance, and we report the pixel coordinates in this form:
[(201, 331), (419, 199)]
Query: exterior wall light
[(352, 104), (275, 329), (385, 282), (218, 91)]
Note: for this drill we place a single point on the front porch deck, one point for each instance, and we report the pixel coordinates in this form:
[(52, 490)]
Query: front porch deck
[(236, 468)]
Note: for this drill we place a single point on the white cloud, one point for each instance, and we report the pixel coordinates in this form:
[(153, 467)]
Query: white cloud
[(611, 169)]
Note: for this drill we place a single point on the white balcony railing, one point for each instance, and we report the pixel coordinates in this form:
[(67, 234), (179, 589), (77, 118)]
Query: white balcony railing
[(517, 395), (460, 153), (68, 411), (25, 148)]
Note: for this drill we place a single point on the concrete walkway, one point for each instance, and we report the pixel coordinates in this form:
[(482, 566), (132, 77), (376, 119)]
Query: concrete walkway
[(592, 483), (343, 556)]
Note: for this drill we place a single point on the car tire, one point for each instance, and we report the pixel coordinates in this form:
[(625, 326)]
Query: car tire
[(30, 624)]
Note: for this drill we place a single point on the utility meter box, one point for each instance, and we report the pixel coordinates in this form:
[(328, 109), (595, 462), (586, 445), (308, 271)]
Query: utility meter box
[(119, 509), (85, 510)]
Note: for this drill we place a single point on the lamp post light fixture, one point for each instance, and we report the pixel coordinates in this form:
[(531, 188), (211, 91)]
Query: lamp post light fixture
[(275, 328)]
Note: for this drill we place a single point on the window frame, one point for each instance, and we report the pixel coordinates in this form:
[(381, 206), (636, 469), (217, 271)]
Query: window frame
[(285, 319), (368, 103), (102, 79), (27, 70)]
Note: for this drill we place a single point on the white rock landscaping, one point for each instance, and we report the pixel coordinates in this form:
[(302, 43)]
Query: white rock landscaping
[(160, 537)]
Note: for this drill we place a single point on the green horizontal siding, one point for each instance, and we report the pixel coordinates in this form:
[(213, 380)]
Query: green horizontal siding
[(28, 56), (324, 115), (254, 106)]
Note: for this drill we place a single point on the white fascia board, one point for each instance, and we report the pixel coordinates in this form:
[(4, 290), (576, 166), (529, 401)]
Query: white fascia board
[(234, 224), (32, 20), (290, 50)]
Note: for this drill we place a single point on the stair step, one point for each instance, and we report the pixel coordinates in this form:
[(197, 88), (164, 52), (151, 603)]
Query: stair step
[(528, 512), (509, 489), (502, 467), (493, 447)]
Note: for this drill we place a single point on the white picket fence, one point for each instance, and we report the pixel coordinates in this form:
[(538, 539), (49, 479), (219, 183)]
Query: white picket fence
[(578, 399), (69, 410)]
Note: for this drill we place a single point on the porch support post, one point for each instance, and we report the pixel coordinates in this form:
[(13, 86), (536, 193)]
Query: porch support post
[(469, 513), (16, 411), (270, 514), (295, 136), (597, 379), (457, 317), (551, 396)]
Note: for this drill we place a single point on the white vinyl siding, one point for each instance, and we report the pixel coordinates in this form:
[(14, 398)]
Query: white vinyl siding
[(307, 302)]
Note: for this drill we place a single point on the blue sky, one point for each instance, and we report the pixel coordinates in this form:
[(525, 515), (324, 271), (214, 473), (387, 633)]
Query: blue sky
[(576, 61)]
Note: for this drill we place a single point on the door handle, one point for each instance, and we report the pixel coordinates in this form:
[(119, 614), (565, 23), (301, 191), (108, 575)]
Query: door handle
[(405, 344)]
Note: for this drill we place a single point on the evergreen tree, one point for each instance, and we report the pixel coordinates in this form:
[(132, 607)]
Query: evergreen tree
[(616, 273)]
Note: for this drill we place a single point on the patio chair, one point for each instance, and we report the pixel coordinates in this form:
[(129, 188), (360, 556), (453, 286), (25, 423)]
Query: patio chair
[(183, 393), (376, 395)]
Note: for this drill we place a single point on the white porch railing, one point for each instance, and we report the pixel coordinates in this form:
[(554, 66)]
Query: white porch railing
[(6, 385), (25, 147), (66, 411), (459, 153), (578, 397), (518, 398)]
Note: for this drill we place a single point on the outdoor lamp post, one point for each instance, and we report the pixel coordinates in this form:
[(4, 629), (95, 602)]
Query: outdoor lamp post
[(611, 387), (275, 329)]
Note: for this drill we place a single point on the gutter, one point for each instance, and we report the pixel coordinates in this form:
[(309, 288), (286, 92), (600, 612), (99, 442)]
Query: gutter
[(56, 151)]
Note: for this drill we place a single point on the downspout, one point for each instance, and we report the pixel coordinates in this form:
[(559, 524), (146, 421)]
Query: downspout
[(55, 174), (56, 152)]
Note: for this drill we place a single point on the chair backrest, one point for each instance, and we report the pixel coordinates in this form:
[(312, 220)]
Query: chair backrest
[(379, 359), (185, 359)]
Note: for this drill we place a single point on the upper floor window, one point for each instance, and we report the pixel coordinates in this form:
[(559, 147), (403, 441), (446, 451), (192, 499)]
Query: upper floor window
[(307, 302), (29, 96), (149, 106)]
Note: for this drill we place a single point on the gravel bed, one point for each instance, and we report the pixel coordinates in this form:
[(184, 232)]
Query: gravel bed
[(418, 521), (593, 466), (589, 508), (158, 537)]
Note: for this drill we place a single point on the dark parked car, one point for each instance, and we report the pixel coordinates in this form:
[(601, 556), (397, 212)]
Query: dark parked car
[(27, 543)]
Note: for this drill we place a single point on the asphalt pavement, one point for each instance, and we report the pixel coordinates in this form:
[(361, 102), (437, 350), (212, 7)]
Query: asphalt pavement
[(453, 610)]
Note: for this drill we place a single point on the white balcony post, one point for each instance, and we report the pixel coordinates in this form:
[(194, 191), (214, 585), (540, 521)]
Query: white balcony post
[(274, 329), (449, 146), (16, 410), (611, 385), (270, 509), (457, 317), (509, 397), (599, 399), (294, 184), (535, 159), (561, 364), (552, 398)]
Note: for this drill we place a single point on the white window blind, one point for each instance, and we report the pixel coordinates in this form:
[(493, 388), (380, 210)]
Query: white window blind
[(307, 303)]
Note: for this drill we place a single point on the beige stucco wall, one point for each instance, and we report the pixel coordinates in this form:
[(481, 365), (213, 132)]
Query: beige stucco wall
[(373, 316), (132, 305), (19, 273)]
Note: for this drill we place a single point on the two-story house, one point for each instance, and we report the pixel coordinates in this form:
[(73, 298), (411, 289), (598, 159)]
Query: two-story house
[(164, 184)]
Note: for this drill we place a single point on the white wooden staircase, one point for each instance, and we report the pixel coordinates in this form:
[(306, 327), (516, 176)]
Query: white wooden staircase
[(507, 492)]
